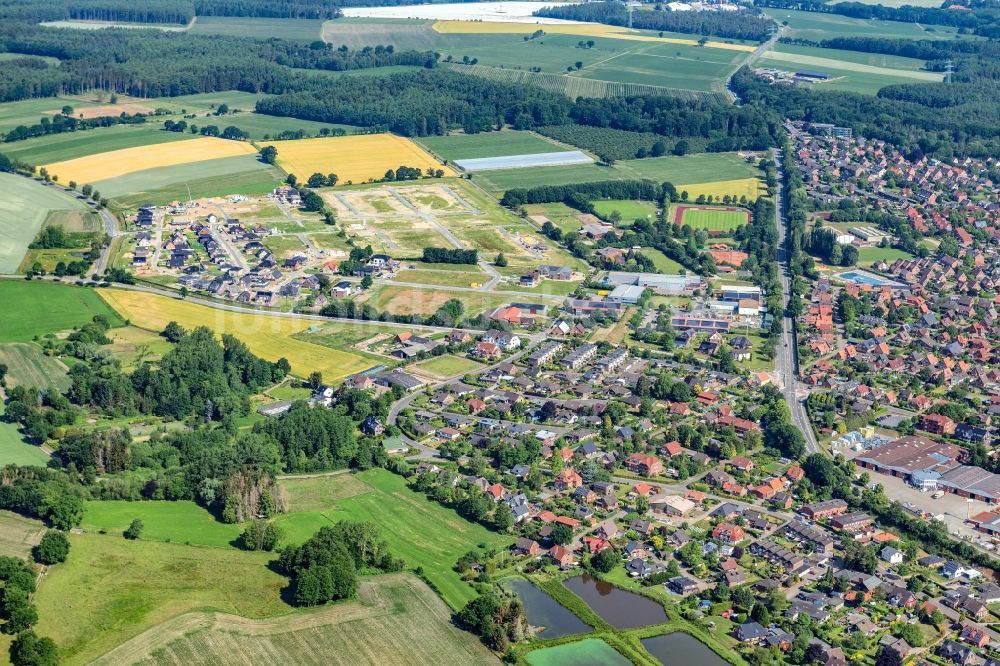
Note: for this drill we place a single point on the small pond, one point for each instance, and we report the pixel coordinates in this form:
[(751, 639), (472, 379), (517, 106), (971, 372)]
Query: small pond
[(545, 612), (619, 608), (680, 649)]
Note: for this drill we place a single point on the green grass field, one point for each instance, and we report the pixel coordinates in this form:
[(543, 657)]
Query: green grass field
[(629, 211), (443, 278), (819, 26), (714, 219), (30, 112), (265, 28), (14, 450), (423, 532), (588, 652), (111, 589), (700, 168), (852, 71), (683, 66), (27, 365), (177, 522), (662, 262), (448, 366), (869, 255), (258, 125), (236, 100), (151, 180), (668, 65), (396, 619), (70, 145), (211, 178), (488, 144), (65, 306), (24, 205), (400, 299)]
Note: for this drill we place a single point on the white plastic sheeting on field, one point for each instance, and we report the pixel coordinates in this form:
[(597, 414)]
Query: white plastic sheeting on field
[(524, 161)]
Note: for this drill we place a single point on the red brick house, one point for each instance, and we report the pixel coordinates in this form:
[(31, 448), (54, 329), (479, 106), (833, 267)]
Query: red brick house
[(561, 556), (728, 532), (937, 424), (644, 465)]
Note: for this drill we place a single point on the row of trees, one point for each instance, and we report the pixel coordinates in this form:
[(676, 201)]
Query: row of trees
[(729, 25), (441, 255), (57, 124)]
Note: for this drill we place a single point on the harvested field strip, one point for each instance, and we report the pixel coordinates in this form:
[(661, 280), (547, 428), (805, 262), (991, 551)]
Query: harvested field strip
[(581, 29), (270, 337), (18, 534), (353, 158), (396, 619), (120, 162)]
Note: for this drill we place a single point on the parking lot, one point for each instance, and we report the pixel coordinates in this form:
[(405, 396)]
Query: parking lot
[(953, 508)]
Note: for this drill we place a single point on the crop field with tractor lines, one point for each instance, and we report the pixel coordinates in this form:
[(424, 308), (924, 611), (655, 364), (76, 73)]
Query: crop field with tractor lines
[(268, 336), (353, 158), (395, 619), (102, 166)]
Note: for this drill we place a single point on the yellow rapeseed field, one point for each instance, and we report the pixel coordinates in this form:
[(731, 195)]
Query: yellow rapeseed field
[(353, 158), (581, 29), (115, 163), (751, 187), (267, 336)]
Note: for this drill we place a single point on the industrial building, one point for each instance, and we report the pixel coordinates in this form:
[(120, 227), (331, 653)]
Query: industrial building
[(931, 465)]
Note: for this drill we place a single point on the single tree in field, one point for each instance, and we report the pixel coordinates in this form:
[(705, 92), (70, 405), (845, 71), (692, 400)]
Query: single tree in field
[(134, 530), (53, 548), (268, 154), (501, 260)]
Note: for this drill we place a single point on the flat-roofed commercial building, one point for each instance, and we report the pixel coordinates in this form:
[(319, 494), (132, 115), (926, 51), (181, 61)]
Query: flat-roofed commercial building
[(928, 465)]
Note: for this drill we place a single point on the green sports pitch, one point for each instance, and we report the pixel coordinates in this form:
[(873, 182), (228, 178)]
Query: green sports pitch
[(723, 220)]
